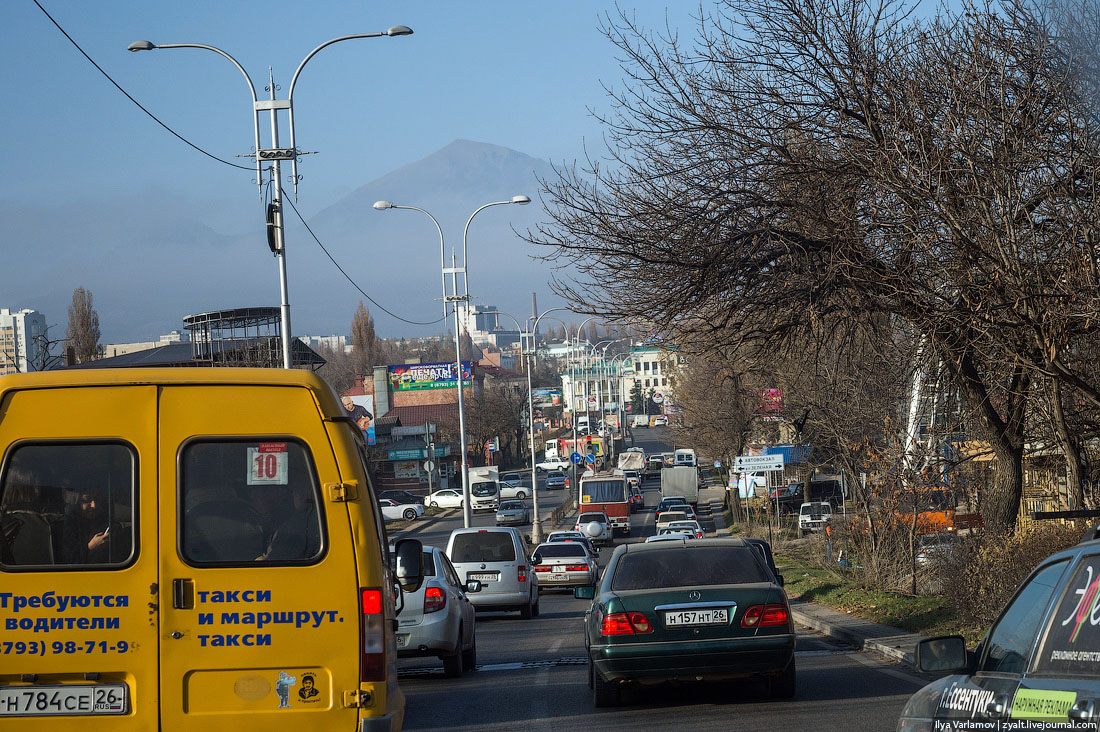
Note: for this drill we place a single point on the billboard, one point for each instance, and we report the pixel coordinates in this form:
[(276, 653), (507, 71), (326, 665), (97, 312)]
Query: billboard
[(547, 397), (420, 376), (771, 404), (361, 409)]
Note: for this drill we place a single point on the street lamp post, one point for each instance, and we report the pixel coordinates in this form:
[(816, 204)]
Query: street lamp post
[(528, 349), (457, 297), (275, 154)]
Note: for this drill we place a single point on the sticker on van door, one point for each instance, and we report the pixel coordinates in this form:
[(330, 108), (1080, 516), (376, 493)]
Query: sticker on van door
[(267, 464), (282, 688)]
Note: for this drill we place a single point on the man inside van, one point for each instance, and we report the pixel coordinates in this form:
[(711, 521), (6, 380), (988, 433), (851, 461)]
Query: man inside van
[(88, 530)]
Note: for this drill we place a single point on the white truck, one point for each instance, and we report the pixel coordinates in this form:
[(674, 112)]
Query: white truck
[(484, 488), (632, 460), (681, 480), (814, 516)]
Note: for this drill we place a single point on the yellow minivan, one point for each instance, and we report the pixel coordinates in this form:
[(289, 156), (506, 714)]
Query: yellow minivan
[(186, 549)]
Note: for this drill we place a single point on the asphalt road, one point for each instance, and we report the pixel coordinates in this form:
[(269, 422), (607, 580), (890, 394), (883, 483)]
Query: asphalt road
[(532, 675)]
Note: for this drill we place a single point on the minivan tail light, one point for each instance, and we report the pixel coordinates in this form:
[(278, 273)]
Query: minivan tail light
[(372, 666), (765, 616), (521, 573), (434, 600)]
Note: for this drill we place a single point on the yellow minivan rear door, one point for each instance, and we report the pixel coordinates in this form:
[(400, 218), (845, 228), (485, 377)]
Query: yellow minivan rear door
[(260, 618), (78, 559)]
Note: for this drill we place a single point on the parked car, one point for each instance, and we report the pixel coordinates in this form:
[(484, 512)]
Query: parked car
[(552, 464), (496, 557), (515, 478), (565, 564), (601, 536), (689, 527), (512, 512), (446, 498), (438, 618), (814, 516), (671, 598), (1036, 665), (513, 490), (394, 511), (577, 536), (401, 496), (788, 497), (556, 479), (659, 421)]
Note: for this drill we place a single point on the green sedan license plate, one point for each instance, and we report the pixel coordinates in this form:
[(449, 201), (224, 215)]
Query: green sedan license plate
[(708, 616)]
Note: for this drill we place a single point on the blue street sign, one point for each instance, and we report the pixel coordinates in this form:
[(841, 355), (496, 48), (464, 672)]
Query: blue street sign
[(576, 458), (590, 459)]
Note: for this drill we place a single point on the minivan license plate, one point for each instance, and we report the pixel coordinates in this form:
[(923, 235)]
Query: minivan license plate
[(710, 616), (24, 701), (484, 576)]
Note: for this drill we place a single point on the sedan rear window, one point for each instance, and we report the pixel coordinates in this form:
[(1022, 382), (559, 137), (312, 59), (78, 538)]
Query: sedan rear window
[(483, 546), (561, 549), (511, 506), (675, 566)]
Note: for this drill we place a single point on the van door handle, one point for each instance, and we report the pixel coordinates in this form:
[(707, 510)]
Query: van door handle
[(183, 594), (996, 707)]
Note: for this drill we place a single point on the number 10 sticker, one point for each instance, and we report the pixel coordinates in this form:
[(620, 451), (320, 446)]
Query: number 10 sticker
[(267, 464)]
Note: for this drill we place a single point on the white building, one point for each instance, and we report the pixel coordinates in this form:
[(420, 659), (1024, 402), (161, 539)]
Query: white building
[(24, 343), (120, 349)]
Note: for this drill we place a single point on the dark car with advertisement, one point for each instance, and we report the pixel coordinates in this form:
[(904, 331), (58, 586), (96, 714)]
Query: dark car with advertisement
[(1038, 667)]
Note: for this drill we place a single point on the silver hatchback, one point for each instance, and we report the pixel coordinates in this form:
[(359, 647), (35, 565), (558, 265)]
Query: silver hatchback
[(438, 619)]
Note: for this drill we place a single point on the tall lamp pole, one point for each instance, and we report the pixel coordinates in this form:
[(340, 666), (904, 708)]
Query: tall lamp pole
[(457, 297), (275, 154)]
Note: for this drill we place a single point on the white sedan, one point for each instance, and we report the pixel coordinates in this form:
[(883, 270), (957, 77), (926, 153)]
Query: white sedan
[(446, 498), (394, 511)]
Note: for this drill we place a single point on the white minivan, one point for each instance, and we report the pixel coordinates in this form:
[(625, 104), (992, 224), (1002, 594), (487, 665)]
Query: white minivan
[(685, 456), (497, 558)]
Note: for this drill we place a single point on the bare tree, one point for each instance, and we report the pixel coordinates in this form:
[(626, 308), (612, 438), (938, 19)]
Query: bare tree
[(83, 333), (798, 166)]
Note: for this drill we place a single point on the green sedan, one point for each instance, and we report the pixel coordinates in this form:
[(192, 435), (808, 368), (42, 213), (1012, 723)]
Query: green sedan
[(687, 611)]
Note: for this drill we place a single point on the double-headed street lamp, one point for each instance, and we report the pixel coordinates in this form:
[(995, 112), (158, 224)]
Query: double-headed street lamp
[(457, 297), (275, 154)]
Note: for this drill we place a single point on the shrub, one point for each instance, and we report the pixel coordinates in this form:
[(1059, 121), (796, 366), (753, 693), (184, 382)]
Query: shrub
[(983, 572)]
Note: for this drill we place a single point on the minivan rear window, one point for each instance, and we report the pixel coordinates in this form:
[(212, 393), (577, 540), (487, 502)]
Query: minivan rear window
[(68, 504), (249, 502), (688, 567), (483, 546)]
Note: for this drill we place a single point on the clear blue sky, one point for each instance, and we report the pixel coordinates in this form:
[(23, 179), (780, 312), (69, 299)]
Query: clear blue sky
[(519, 75)]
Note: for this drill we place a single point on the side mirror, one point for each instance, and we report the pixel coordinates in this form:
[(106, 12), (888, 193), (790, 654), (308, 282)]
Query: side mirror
[(536, 560), (945, 654), (473, 585), (585, 592), (409, 564), (779, 579)]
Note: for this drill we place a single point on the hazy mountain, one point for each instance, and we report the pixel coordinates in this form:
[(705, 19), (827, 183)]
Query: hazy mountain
[(150, 262)]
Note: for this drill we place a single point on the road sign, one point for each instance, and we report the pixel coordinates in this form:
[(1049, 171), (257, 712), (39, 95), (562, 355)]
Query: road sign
[(717, 464), (429, 466), (576, 458), (657, 397), (590, 459), (592, 401), (756, 463)]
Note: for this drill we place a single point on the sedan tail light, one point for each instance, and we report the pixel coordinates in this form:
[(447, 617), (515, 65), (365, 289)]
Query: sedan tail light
[(434, 599), (542, 569), (576, 568), (625, 624), (765, 616)]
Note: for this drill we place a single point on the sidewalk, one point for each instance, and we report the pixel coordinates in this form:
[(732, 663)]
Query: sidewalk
[(891, 643)]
